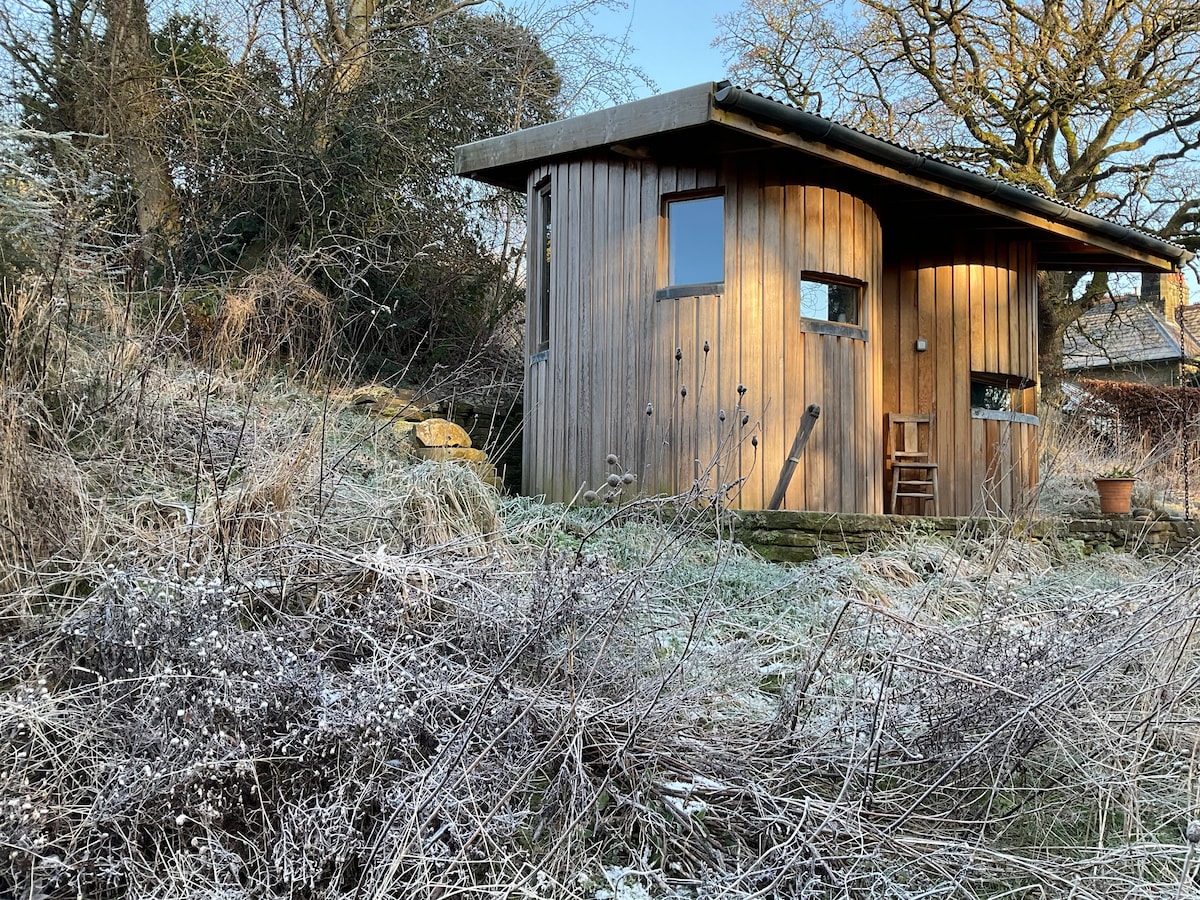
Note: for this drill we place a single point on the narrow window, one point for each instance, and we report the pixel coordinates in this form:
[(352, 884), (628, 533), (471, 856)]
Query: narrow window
[(696, 242), (824, 298), (991, 396), (542, 236), (998, 392)]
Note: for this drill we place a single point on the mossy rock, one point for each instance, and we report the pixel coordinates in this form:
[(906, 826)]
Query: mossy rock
[(402, 431)]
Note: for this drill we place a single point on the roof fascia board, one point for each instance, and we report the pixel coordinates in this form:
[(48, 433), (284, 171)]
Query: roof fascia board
[(987, 204), (659, 114), (752, 114), (826, 139)]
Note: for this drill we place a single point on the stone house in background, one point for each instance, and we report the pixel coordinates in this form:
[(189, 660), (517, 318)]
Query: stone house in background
[(1153, 338)]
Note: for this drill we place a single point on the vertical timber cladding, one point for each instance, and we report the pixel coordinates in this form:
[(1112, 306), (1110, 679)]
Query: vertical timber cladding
[(582, 395), (655, 381), (704, 430), (976, 308), (832, 233)]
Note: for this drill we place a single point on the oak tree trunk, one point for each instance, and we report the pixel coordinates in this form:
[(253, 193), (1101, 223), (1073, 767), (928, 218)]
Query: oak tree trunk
[(1059, 305)]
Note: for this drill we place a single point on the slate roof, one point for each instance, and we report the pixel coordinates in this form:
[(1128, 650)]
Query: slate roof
[(1124, 331)]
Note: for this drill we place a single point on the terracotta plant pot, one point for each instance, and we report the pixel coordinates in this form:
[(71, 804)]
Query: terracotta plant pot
[(1115, 495)]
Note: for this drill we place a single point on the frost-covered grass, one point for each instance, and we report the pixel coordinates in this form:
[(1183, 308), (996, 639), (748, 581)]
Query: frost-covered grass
[(609, 708), (248, 649)]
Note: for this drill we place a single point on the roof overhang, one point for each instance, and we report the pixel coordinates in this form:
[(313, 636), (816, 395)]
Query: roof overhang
[(506, 160), (710, 121)]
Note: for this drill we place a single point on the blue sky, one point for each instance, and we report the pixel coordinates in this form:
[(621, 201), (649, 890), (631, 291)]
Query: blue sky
[(673, 45), (673, 39)]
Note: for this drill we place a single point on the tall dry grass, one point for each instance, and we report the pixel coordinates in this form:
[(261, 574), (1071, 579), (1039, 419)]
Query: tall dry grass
[(264, 654), (249, 650), (645, 714), (1093, 438)]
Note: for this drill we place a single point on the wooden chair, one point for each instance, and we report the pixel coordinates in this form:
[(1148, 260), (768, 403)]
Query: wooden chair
[(910, 456)]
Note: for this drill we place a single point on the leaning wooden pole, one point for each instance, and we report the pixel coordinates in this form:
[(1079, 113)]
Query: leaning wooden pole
[(803, 433)]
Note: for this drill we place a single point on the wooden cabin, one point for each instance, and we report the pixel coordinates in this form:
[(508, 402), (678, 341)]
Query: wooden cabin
[(706, 264)]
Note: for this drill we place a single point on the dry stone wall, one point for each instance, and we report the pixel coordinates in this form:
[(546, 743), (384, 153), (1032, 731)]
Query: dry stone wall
[(786, 536)]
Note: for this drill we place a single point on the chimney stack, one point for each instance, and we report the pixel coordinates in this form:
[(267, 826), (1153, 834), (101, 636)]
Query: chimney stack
[(1165, 291)]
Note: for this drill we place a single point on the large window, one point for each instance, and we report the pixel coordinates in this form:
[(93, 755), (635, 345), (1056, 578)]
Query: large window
[(696, 243), (542, 272)]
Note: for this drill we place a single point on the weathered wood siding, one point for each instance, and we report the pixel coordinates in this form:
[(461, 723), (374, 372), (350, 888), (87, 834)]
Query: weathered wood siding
[(656, 381), (976, 306)]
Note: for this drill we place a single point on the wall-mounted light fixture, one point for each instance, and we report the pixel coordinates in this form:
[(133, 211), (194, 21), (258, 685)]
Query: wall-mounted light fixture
[(922, 345)]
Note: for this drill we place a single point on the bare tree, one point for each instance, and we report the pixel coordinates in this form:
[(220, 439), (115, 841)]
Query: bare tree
[(87, 67), (1092, 102)]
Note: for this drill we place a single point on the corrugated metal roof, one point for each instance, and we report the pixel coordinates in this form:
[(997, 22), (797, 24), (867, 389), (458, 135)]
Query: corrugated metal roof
[(1181, 253), (1068, 237), (933, 157)]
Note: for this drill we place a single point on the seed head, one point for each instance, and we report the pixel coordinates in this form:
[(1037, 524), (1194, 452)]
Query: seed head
[(611, 459)]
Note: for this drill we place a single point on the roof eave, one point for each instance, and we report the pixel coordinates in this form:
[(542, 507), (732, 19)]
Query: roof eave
[(506, 159), (818, 128)]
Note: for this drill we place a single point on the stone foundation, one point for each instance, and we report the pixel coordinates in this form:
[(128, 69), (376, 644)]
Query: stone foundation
[(789, 536)]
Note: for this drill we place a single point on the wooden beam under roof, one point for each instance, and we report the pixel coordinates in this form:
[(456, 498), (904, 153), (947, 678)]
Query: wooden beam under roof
[(1137, 259), (624, 125)]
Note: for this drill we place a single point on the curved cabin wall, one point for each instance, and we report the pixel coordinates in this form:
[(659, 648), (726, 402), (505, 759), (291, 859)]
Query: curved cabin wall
[(975, 305), (656, 380)]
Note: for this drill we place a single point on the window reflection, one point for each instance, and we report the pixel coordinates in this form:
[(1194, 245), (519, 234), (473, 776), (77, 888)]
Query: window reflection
[(998, 391), (542, 312), (696, 241), (830, 301), (991, 396)]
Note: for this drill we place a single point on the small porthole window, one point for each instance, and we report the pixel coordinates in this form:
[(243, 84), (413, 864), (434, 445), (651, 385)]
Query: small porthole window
[(696, 242), (824, 298)]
